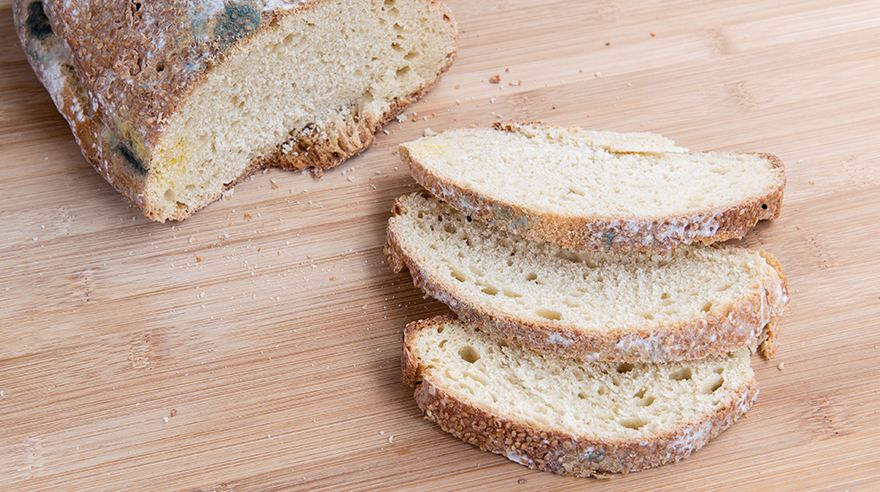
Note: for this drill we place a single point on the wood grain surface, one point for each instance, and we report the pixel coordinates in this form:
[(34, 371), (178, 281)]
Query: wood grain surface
[(255, 346)]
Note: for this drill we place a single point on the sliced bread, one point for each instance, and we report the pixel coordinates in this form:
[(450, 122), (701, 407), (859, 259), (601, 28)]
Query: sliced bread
[(598, 190), (173, 102), (562, 415), (690, 302)]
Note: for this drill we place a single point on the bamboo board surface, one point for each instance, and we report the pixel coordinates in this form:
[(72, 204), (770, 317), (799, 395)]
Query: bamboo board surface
[(255, 346)]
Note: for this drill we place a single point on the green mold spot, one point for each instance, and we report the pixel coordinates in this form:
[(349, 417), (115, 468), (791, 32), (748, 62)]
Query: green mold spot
[(37, 22), (609, 238), (235, 22), (132, 160), (124, 141)]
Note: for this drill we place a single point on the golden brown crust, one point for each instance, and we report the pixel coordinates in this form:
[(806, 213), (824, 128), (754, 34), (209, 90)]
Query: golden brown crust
[(715, 333), (118, 70), (554, 450), (594, 232)]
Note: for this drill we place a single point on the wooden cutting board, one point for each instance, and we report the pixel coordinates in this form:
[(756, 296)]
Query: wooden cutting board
[(255, 346)]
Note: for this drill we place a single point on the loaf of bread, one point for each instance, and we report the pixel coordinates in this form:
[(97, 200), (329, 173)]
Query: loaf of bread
[(598, 190), (565, 416), (691, 302), (173, 102)]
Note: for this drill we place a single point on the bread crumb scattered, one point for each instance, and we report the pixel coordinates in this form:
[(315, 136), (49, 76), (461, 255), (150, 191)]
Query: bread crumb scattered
[(496, 79), (781, 366)]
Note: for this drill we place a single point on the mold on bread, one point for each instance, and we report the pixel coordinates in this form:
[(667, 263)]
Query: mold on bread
[(174, 102)]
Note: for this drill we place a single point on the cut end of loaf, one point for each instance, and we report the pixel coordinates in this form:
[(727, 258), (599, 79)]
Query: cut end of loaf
[(566, 416), (309, 90)]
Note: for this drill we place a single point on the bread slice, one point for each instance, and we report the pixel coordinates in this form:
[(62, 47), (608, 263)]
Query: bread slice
[(565, 416), (600, 190), (173, 102), (690, 302)]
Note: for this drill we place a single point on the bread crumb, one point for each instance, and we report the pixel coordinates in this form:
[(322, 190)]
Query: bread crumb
[(496, 79), (607, 43), (781, 366)]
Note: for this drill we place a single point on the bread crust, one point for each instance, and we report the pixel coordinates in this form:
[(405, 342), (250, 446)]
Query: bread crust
[(719, 331), (556, 450), (659, 233), (118, 76)]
